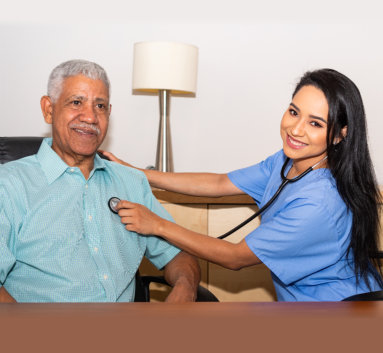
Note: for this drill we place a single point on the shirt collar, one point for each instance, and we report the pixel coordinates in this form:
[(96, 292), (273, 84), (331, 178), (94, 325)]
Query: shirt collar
[(53, 166), (99, 163)]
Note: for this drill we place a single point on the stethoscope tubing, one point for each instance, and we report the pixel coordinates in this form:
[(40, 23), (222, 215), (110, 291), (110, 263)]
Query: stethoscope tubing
[(256, 214), (285, 181)]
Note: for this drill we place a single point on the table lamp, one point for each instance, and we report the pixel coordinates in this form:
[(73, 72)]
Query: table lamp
[(165, 68)]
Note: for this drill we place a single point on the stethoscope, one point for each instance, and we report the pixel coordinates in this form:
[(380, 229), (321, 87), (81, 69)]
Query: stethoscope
[(285, 181), (113, 201)]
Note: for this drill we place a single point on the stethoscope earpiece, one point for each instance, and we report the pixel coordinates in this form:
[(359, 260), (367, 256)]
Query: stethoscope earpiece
[(112, 203)]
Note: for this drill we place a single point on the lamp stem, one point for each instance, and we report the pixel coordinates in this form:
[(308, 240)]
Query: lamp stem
[(164, 158)]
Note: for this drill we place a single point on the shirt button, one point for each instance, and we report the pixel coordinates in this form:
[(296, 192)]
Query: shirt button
[(90, 217), (86, 186), (95, 249), (105, 277), (71, 170)]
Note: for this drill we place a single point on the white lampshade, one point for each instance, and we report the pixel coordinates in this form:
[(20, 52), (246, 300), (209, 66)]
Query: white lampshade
[(165, 66)]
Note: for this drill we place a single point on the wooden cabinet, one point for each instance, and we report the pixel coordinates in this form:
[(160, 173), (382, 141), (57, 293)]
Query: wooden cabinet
[(215, 216)]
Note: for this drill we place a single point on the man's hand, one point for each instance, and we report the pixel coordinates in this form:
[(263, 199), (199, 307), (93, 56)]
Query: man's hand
[(183, 274), (5, 297), (181, 293)]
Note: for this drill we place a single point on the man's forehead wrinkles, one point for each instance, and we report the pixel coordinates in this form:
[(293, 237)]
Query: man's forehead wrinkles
[(75, 97), (85, 98), (101, 99)]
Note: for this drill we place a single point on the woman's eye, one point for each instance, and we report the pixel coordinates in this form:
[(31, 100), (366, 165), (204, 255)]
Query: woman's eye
[(316, 124), (293, 112)]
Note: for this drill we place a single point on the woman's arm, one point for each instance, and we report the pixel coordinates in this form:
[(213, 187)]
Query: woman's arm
[(141, 220), (196, 184)]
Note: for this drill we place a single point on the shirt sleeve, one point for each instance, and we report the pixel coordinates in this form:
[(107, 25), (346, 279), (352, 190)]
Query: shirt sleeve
[(254, 179), (300, 240), (7, 259), (158, 251)]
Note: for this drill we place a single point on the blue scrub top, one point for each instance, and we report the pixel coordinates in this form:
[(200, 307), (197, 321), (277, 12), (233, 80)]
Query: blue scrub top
[(304, 235)]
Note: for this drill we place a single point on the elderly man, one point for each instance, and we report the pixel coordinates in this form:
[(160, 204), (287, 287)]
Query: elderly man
[(59, 242)]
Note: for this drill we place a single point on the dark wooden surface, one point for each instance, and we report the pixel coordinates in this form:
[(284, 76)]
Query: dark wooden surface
[(193, 327), (174, 197)]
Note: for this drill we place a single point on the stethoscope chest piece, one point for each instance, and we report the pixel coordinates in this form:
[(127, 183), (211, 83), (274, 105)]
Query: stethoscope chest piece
[(112, 203)]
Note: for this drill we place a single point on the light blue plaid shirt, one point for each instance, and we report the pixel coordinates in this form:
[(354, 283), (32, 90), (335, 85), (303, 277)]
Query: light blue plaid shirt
[(59, 242)]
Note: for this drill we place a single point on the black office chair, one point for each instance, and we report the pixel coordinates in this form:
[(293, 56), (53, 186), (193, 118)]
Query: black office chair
[(369, 296), (143, 290), (364, 297), (12, 148)]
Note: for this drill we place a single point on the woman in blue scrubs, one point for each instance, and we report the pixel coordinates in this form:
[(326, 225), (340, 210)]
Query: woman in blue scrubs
[(317, 238)]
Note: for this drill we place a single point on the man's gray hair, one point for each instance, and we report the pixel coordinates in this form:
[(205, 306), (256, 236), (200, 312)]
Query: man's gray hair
[(74, 68)]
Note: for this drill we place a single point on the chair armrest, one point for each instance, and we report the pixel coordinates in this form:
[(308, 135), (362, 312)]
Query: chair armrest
[(203, 294)]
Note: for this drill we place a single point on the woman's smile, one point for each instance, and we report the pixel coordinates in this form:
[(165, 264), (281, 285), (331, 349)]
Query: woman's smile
[(293, 143)]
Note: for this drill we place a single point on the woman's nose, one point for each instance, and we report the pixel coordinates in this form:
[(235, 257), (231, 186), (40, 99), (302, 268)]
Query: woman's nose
[(298, 128)]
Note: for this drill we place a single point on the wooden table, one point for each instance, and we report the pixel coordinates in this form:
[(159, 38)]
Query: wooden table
[(194, 327)]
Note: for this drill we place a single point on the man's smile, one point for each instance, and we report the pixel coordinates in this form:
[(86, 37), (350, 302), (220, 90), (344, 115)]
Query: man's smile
[(85, 129)]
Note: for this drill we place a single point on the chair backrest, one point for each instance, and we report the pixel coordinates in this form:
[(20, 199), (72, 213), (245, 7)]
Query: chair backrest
[(12, 148)]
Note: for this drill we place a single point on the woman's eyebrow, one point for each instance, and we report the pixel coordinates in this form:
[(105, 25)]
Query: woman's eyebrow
[(311, 116), (292, 104)]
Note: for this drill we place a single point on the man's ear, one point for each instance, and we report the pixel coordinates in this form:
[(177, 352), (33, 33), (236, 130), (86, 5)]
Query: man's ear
[(47, 108), (343, 134)]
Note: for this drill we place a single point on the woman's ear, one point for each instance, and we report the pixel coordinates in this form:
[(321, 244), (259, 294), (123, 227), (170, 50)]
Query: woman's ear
[(343, 134)]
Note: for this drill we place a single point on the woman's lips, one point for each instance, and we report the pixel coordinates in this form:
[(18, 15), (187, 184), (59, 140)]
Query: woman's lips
[(295, 143)]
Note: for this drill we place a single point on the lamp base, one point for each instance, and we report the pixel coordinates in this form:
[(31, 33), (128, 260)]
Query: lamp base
[(164, 157)]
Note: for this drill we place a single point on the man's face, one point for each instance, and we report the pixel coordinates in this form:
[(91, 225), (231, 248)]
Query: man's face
[(79, 118)]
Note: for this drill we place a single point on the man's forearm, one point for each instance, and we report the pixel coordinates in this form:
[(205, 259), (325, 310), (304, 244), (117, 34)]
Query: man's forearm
[(183, 274), (5, 297)]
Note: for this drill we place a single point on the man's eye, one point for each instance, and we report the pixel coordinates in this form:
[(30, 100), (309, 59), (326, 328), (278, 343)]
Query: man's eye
[(101, 106), (76, 102)]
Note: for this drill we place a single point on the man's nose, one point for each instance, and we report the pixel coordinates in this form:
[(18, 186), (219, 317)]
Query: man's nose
[(89, 114)]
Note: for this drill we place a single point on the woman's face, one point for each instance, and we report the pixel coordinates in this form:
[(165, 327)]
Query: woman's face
[(304, 128)]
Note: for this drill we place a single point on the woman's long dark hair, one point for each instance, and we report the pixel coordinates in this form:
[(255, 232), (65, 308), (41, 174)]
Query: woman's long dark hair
[(350, 163)]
